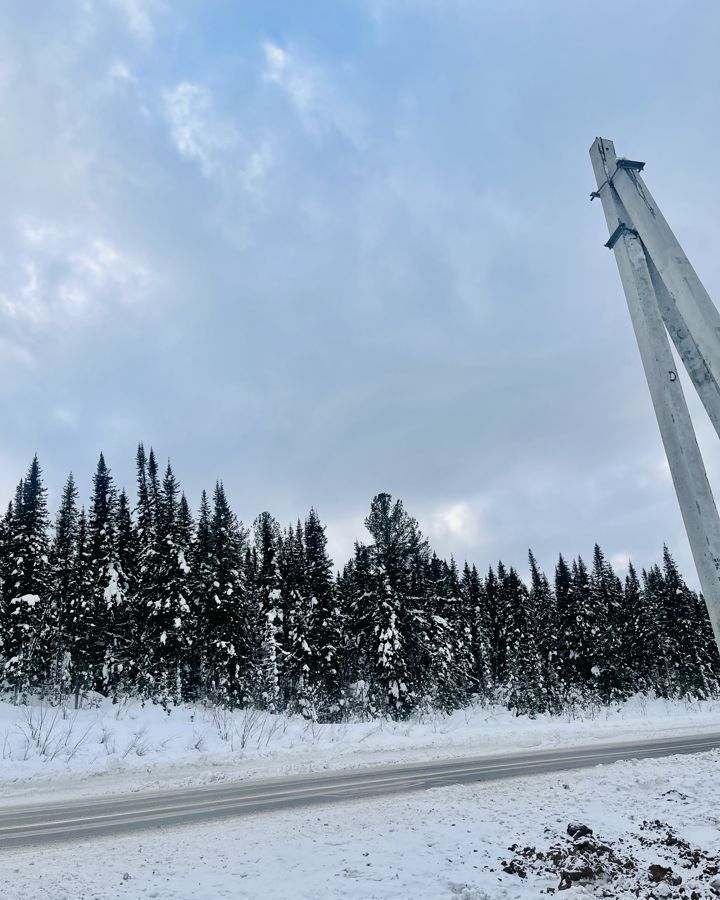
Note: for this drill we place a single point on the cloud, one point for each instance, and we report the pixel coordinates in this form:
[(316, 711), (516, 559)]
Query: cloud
[(298, 81), (620, 562), (458, 521), (314, 94), (120, 73), (57, 276), (200, 134), (137, 17)]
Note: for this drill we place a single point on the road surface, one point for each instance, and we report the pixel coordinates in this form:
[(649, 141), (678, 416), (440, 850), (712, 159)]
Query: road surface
[(42, 823)]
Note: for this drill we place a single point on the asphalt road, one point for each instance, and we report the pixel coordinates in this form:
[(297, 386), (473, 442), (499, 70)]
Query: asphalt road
[(42, 823)]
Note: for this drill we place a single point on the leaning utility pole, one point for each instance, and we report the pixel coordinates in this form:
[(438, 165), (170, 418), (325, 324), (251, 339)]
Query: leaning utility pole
[(665, 295)]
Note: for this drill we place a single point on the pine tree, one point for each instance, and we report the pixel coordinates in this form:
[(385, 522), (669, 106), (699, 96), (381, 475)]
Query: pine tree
[(526, 690), (127, 550), (63, 571), (228, 625), (357, 655), (145, 513), (495, 624), (565, 673), (398, 556), (430, 654), (326, 623), (79, 631), (543, 610), (27, 585), (641, 637), (6, 531), (167, 632), (474, 600), (202, 600), (681, 644), (269, 603), (608, 648), (107, 580), (707, 648), (295, 688), (580, 640)]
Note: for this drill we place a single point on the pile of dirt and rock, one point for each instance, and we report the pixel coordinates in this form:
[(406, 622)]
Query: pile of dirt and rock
[(600, 868)]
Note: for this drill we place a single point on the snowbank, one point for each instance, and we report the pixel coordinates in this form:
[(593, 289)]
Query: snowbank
[(127, 747)]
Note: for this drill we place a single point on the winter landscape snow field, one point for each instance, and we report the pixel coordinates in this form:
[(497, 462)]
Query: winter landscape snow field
[(57, 752), (655, 834)]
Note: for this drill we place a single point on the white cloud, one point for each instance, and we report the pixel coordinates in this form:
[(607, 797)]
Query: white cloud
[(196, 132), (457, 521), (137, 17), (298, 81), (202, 135), (620, 562), (119, 73), (313, 93), (57, 277)]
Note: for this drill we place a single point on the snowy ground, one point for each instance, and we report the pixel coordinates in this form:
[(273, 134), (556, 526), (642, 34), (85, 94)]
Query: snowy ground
[(444, 843), (109, 749)]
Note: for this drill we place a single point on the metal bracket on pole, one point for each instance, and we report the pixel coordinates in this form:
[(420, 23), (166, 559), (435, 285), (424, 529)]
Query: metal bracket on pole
[(619, 231), (630, 164), (665, 295), (619, 164)]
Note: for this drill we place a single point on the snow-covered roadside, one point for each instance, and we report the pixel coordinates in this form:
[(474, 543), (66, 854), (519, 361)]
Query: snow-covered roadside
[(127, 747), (449, 843)]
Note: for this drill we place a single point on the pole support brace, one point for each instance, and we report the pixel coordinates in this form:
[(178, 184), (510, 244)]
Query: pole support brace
[(619, 164), (618, 233)]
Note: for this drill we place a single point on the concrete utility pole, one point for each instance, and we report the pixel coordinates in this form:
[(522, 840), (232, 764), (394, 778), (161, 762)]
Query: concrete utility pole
[(665, 296)]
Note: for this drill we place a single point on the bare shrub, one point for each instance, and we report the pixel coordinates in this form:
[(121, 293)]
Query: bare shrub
[(49, 733), (138, 744)]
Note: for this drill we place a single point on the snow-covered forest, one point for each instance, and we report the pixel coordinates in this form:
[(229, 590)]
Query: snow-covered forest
[(141, 597)]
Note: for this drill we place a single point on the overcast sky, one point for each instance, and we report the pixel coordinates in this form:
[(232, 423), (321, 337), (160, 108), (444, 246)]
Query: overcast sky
[(326, 249)]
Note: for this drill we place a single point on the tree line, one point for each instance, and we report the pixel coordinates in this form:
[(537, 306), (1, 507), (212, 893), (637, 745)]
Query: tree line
[(143, 598)]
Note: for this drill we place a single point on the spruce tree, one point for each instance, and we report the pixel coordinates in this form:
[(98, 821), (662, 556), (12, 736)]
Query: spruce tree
[(565, 675), (641, 636), (326, 626), (296, 683), (474, 600), (526, 690), (6, 530), (27, 588), (79, 631), (63, 567), (681, 643), (167, 631), (543, 610), (398, 556), (269, 603), (581, 637), (451, 636), (202, 600), (496, 623), (609, 646), (228, 625), (107, 580), (145, 513), (357, 655)]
